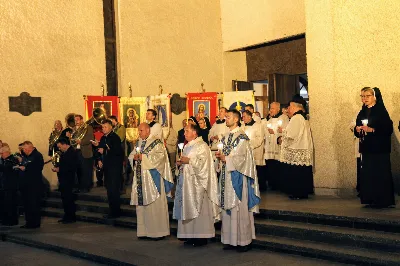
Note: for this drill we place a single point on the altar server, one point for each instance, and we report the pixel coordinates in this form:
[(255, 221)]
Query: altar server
[(273, 128), (239, 191), (155, 128), (297, 153), (151, 183), (218, 129), (196, 200)]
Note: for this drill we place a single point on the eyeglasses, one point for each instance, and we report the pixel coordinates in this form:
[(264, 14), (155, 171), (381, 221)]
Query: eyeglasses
[(366, 96)]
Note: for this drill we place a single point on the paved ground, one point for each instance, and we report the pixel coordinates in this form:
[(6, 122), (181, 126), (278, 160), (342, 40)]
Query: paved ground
[(122, 244), (16, 255)]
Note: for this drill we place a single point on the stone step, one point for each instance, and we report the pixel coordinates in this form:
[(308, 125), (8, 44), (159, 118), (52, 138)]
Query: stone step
[(354, 255), (375, 224), (302, 231), (361, 238)]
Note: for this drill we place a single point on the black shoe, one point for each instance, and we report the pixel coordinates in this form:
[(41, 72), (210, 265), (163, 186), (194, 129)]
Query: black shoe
[(111, 216), (244, 248), (157, 238), (27, 226), (99, 184), (228, 247), (199, 242), (143, 237), (188, 242)]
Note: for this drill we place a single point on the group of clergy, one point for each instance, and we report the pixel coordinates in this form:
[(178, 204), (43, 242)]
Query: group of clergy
[(219, 181)]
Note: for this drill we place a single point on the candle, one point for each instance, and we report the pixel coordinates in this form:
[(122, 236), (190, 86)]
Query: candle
[(137, 150), (180, 146), (269, 125), (364, 122), (220, 146), (129, 84), (53, 152), (279, 123)]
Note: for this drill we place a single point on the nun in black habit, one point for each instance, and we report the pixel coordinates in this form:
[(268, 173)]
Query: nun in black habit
[(374, 129)]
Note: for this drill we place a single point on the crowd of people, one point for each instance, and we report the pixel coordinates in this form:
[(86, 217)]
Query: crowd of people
[(212, 173)]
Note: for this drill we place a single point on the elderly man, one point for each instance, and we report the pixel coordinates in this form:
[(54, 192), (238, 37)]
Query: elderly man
[(256, 135), (196, 200), (31, 184), (155, 128), (297, 153), (10, 187), (238, 187), (85, 156), (273, 128), (113, 156), (151, 183)]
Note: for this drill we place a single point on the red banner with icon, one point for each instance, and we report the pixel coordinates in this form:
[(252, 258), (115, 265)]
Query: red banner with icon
[(205, 103)]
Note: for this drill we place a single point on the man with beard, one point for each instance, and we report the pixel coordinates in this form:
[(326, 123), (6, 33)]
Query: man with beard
[(196, 200), (273, 128), (152, 182), (31, 185), (113, 156), (66, 175), (239, 192), (10, 187)]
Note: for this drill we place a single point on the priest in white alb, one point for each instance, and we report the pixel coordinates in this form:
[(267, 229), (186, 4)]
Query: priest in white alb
[(273, 128), (297, 153), (152, 182), (196, 205), (240, 196)]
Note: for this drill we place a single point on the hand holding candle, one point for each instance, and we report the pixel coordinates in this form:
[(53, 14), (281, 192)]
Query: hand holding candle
[(180, 146)]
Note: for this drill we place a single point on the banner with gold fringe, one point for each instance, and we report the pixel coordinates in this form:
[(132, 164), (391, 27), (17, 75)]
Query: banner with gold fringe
[(203, 103), (133, 112)]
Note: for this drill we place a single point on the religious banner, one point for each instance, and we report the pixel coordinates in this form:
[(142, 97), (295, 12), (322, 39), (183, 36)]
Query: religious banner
[(108, 103), (238, 99), (205, 103), (133, 112), (161, 103)]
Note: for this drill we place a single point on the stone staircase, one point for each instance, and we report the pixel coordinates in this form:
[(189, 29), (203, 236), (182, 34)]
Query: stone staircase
[(344, 239)]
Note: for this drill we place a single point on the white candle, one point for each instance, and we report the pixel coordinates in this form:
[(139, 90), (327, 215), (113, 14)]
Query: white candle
[(137, 150), (364, 122), (279, 123), (269, 125), (220, 146), (180, 146)]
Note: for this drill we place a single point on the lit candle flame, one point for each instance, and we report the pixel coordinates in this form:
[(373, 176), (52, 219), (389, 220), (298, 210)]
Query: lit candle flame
[(279, 123), (269, 125), (364, 122), (137, 150), (180, 146), (220, 146)]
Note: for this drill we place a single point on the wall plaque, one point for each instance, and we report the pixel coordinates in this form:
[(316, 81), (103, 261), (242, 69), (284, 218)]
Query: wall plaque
[(178, 104), (25, 104)]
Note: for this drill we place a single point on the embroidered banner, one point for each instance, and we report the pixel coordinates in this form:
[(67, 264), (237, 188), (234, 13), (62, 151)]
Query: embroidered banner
[(133, 112), (238, 99), (108, 103), (161, 103), (206, 103)]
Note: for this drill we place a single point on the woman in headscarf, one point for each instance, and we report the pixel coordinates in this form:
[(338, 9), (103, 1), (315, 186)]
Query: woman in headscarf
[(374, 129)]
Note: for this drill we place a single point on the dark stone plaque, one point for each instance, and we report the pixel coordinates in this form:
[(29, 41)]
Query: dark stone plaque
[(178, 104), (25, 104)]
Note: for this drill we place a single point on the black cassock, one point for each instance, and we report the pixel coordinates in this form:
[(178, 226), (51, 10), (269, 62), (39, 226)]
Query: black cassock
[(31, 186), (376, 181), (9, 191), (113, 157), (66, 177)]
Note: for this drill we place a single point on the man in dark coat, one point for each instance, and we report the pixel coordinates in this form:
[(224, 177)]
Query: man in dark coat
[(10, 187), (113, 156), (31, 184), (66, 171)]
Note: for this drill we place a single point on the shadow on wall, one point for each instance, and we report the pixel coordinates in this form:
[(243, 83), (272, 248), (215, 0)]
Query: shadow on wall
[(395, 156), (343, 141)]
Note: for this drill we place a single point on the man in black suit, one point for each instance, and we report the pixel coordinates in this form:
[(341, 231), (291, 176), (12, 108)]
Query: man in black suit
[(66, 171), (10, 187), (113, 156), (31, 184)]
